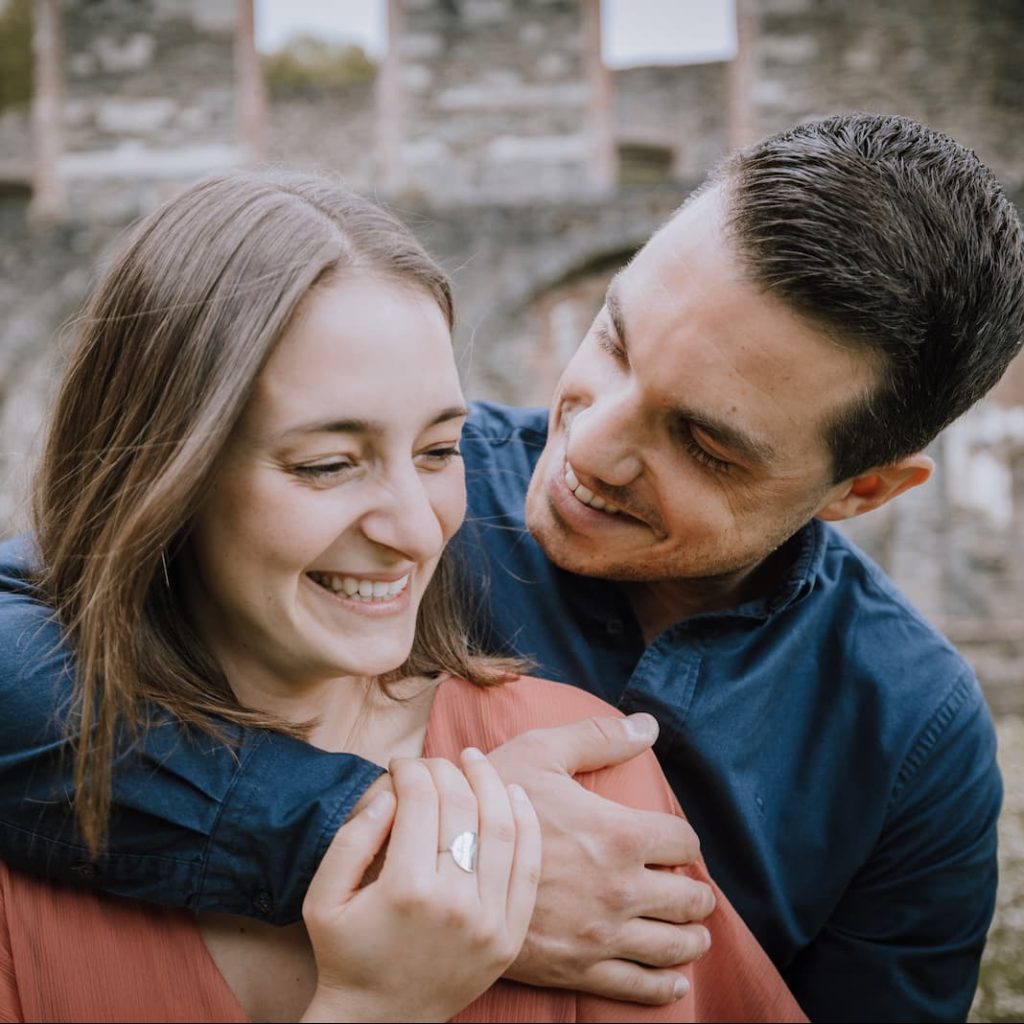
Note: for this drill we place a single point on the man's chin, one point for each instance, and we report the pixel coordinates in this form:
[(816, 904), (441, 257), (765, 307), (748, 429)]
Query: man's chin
[(567, 550)]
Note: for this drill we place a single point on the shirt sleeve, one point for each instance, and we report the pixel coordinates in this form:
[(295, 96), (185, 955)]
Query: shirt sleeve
[(238, 827), (905, 941)]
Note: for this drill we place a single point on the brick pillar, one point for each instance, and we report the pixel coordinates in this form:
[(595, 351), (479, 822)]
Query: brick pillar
[(603, 165), (388, 139), (48, 198), (742, 75), (250, 97)]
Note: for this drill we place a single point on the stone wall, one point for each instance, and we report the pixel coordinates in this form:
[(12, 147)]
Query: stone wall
[(495, 100), (332, 130), (150, 95), (494, 141), (954, 64), (15, 148), (683, 110)]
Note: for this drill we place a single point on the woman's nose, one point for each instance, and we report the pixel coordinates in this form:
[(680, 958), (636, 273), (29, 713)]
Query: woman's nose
[(403, 517), (603, 443)]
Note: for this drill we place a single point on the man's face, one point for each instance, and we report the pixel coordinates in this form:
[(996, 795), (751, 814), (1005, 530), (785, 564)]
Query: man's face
[(696, 407)]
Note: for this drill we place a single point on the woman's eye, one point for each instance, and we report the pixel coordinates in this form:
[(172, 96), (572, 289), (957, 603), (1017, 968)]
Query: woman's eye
[(443, 455), (609, 344), (323, 470)]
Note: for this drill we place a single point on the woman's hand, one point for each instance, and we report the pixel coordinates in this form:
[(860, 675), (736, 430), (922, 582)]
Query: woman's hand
[(426, 937)]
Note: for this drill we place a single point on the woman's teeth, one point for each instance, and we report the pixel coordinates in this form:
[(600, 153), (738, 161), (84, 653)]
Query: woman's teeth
[(585, 494), (361, 590)]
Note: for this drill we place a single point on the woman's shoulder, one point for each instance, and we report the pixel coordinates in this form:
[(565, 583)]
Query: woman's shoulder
[(507, 709), (486, 717)]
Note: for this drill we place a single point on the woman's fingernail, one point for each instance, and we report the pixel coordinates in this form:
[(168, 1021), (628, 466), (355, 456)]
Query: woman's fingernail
[(472, 754), (682, 986), (518, 793)]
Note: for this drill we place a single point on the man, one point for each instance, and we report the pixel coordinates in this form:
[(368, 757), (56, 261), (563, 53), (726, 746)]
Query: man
[(777, 356)]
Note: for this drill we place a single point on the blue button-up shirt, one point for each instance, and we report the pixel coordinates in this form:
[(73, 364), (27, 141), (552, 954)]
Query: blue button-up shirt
[(833, 752)]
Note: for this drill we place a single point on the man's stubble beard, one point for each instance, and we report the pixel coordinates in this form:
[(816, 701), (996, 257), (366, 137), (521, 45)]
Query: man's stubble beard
[(556, 542)]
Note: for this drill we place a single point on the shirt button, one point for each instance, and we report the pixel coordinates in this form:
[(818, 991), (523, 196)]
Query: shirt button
[(262, 902), (614, 627), (85, 869)]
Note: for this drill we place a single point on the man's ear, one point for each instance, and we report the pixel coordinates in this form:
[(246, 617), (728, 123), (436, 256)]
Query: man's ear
[(874, 487)]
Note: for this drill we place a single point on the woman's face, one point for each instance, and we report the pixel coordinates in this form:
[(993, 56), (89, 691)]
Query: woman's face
[(336, 494)]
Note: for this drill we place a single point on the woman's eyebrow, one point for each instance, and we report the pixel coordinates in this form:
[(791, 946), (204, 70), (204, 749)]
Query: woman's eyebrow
[(364, 426)]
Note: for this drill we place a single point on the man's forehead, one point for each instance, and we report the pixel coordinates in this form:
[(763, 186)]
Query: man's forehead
[(748, 365)]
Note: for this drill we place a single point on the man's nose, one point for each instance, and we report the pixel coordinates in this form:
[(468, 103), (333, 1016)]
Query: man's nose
[(403, 517), (605, 443)]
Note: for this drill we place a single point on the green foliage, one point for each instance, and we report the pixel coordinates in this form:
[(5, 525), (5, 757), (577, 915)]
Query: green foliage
[(16, 64), (307, 64)]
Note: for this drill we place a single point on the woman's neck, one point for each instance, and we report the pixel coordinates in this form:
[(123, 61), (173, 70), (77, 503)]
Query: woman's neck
[(349, 714), (271, 970)]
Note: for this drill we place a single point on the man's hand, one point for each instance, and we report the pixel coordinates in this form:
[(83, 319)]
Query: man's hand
[(606, 920)]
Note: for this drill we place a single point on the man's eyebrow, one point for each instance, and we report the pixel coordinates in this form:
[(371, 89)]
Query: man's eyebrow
[(750, 449), (363, 426)]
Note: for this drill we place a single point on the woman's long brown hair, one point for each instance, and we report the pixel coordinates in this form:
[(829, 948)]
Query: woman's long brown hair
[(168, 352)]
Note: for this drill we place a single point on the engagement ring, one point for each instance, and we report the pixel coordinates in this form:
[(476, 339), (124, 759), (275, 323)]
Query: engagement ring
[(463, 851)]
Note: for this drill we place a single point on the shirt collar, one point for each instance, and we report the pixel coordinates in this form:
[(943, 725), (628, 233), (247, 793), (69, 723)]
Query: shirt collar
[(807, 552)]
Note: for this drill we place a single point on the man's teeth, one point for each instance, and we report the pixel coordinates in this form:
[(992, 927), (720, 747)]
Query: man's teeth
[(585, 494), (361, 590)]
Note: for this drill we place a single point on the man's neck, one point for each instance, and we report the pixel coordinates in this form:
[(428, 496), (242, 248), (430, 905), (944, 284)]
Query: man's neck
[(659, 604)]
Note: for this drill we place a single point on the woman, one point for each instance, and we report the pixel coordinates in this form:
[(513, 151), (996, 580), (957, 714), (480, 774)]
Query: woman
[(250, 479)]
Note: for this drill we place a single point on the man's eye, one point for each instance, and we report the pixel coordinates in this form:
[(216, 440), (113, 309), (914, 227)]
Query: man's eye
[(699, 453), (705, 458)]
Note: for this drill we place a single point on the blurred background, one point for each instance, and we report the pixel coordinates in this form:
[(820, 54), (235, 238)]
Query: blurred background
[(533, 145)]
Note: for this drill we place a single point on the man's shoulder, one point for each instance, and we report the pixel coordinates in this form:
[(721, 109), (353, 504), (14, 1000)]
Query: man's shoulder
[(895, 667), (873, 617)]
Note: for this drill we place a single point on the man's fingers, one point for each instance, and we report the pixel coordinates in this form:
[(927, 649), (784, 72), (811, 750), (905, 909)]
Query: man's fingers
[(631, 983), (668, 896), (351, 852), (522, 889), (667, 839), (655, 944), (594, 743)]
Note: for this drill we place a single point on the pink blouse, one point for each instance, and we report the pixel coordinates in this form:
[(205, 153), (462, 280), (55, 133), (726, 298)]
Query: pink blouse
[(77, 955)]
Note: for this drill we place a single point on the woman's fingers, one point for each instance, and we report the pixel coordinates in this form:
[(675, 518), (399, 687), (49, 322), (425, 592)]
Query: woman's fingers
[(497, 832), (457, 817), (412, 858), (351, 852), (510, 849)]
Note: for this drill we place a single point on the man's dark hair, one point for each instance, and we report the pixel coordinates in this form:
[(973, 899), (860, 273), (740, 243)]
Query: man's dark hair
[(892, 237)]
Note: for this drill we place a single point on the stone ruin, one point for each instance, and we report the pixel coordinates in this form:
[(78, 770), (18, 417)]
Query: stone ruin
[(533, 171)]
